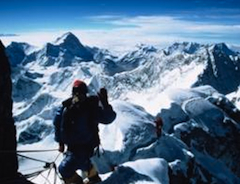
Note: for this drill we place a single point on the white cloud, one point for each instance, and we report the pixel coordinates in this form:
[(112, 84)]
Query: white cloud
[(34, 38), (126, 32)]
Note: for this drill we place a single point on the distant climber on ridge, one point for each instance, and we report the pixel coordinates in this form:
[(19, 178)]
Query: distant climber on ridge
[(158, 124), (76, 125)]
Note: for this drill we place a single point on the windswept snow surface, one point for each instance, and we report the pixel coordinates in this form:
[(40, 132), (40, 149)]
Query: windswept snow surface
[(235, 97), (201, 125)]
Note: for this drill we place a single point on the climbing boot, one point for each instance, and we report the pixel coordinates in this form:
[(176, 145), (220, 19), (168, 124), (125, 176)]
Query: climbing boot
[(92, 176), (94, 179), (75, 179)]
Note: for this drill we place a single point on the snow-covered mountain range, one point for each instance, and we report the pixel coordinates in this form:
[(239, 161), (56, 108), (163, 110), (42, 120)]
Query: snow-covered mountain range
[(193, 87)]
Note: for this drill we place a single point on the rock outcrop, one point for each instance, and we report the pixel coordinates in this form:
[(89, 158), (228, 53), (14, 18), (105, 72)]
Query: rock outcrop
[(8, 157)]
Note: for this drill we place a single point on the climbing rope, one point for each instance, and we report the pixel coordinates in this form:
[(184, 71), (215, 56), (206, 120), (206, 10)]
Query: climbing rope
[(48, 165), (53, 166), (36, 173), (28, 151), (30, 158)]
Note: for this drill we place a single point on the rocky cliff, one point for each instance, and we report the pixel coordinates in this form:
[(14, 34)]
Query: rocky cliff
[(8, 157)]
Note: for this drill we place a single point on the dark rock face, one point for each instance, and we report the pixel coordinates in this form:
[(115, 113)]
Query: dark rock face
[(15, 53), (8, 160), (34, 132), (9, 164), (222, 72), (216, 141), (29, 86)]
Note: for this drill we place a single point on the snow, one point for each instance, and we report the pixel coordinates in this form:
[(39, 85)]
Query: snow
[(155, 168), (234, 96), (207, 115), (151, 99), (142, 84)]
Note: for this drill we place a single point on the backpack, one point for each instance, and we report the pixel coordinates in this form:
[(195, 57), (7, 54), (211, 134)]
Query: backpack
[(78, 125)]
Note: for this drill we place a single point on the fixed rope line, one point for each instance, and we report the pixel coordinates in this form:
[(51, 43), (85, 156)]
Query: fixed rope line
[(38, 160), (36, 173), (52, 166), (49, 171), (30, 169), (56, 171), (48, 166), (56, 174), (27, 151)]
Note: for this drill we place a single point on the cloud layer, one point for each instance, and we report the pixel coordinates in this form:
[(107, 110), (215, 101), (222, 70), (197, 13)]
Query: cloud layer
[(122, 33)]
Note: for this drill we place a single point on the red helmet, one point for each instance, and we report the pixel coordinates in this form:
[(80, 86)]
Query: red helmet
[(79, 87)]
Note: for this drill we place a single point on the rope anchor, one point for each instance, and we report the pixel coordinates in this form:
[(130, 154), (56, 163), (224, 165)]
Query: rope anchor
[(48, 165)]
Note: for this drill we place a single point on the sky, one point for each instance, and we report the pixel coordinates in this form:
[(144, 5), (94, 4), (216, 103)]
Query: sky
[(121, 24)]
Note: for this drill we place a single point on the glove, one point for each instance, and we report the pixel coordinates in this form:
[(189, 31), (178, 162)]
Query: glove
[(103, 97), (61, 147)]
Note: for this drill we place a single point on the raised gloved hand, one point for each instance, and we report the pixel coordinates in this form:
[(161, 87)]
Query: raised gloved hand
[(103, 97)]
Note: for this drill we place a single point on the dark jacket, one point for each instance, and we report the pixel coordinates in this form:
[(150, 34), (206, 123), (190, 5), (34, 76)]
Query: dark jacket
[(77, 125)]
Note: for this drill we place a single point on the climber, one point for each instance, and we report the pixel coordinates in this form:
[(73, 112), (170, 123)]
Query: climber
[(76, 125), (158, 124)]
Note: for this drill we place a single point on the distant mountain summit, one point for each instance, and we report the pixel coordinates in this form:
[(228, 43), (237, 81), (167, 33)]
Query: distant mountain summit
[(71, 44), (140, 56), (222, 48), (66, 50), (67, 39)]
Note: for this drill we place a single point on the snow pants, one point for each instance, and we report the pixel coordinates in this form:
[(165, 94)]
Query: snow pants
[(74, 160)]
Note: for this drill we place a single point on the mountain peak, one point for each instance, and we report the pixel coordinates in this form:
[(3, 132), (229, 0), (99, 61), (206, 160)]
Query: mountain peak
[(186, 47), (67, 38), (17, 51), (146, 48), (27, 48), (71, 44), (223, 48)]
